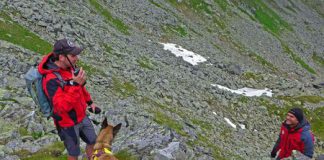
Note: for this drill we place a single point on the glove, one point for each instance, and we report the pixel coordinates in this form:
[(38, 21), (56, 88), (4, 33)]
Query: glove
[(96, 111), (273, 154)]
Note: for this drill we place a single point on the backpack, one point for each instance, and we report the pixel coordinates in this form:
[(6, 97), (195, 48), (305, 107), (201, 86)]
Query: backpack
[(35, 88)]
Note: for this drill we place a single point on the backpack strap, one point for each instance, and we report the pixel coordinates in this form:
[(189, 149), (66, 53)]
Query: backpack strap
[(62, 82)]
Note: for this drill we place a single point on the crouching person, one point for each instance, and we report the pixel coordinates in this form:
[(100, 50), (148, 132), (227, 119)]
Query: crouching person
[(294, 134)]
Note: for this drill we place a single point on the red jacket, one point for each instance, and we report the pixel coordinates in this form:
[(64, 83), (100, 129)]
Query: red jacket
[(299, 138), (70, 102)]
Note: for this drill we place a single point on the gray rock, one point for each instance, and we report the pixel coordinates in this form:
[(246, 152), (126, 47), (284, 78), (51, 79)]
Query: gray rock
[(27, 138), (184, 89), (235, 69), (27, 13), (320, 157), (11, 157), (172, 152), (57, 27), (42, 24)]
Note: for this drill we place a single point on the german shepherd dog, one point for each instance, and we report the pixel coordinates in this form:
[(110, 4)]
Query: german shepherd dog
[(102, 147)]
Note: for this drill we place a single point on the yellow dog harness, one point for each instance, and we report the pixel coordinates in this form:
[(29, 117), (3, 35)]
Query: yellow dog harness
[(98, 153)]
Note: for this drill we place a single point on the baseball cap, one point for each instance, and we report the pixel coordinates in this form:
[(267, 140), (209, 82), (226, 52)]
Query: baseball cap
[(64, 46)]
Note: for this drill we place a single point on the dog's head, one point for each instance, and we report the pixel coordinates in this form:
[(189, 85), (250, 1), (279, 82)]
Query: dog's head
[(107, 132)]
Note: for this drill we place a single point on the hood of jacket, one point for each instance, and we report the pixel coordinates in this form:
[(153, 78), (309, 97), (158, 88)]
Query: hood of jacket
[(47, 65)]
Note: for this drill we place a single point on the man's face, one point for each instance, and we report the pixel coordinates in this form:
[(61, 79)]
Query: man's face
[(291, 120), (73, 59)]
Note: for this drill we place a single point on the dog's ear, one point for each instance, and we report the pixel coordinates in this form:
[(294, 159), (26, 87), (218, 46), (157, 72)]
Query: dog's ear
[(116, 129), (104, 123)]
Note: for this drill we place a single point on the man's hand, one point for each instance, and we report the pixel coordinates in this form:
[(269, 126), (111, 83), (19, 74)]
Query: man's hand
[(80, 78), (94, 109)]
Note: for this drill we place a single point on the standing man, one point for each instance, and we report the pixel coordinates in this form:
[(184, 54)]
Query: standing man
[(295, 134), (69, 100)]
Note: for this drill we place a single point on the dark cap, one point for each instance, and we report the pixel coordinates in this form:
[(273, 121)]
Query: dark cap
[(64, 46), (298, 113)]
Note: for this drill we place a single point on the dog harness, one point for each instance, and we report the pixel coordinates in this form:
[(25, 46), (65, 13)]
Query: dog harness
[(98, 153)]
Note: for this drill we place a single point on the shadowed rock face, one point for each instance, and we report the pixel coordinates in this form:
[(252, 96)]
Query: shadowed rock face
[(171, 108)]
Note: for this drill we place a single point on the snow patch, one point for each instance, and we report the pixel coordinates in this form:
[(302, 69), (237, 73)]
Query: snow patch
[(242, 126), (230, 123), (249, 92), (188, 56)]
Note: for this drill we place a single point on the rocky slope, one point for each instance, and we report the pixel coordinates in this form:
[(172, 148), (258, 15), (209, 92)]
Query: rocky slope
[(171, 107)]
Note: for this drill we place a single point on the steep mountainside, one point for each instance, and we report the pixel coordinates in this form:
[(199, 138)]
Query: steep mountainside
[(170, 108)]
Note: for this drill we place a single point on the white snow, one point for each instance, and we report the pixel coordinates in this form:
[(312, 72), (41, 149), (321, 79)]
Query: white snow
[(188, 56), (249, 92), (230, 123), (242, 126)]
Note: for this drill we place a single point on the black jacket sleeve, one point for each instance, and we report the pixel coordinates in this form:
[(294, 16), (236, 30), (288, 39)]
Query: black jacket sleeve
[(275, 148)]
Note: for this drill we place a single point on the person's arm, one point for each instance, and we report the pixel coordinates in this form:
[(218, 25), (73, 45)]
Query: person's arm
[(275, 148), (308, 142)]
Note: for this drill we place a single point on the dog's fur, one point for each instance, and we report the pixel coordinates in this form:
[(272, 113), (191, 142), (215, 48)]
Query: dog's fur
[(104, 140)]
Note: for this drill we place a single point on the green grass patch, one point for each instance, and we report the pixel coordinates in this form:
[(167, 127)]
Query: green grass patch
[(267, 17), (226, 133), (9, 100), (262, 61), (2, 105), (317, 122), (205, 125), (23, 131), (51, 152), (12, 32), (36, 135), (240, 48), (163, 119), (6, 126), (244, 99), (125, 89), (90, 70), (108, 48), (317, 59), (156, 4), (274, 109), (145, 62), (197, 5), (302, 99), (290, 102), (120, 26), (220, 23), (222, 4), (251, 75), (216, 151), (125, 155), (180, 30), (297, 59), (200, 7)]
